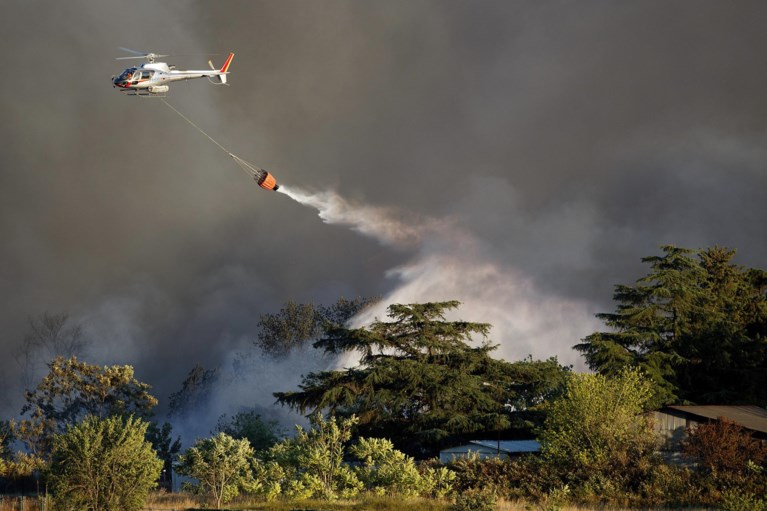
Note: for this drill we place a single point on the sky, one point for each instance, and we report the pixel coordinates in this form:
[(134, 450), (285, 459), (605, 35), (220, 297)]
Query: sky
[(518, 156)]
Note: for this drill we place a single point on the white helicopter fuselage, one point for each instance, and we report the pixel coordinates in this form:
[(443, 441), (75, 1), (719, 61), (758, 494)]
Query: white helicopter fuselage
[(156, 77)]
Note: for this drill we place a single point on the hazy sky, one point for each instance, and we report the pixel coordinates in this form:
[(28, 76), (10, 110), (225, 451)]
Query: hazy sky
[(533, 151)]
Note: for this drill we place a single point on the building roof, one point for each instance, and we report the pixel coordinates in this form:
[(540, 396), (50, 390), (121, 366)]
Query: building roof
[(507, 446), (750, 417)]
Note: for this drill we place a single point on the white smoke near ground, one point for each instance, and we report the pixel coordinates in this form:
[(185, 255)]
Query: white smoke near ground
[(452, 264)]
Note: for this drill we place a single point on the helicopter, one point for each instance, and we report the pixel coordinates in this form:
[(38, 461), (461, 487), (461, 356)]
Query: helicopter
[(153, 78)]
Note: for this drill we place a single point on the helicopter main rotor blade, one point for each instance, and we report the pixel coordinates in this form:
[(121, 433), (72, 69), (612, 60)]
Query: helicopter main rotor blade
[(133, 51), (141, 55)]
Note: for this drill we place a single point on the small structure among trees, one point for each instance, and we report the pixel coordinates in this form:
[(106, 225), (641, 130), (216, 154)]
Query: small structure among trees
[(674, 422), (421, 384), (483, 449)]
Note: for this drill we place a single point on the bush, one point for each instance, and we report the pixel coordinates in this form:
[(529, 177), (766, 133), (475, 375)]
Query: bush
[(737, 501), (475, 500), (222, 466), (473, 473), (724, 447), (104, 465)]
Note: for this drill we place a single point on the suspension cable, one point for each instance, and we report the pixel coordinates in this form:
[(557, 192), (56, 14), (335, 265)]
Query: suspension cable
[(247, 167), (198, 128)]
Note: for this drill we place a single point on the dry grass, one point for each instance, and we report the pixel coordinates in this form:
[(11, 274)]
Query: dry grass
[(162, 501), (8, 503), (523, 506)]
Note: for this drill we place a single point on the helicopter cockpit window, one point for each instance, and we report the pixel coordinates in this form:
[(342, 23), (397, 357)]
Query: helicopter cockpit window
[(146, 74), (127, 74)]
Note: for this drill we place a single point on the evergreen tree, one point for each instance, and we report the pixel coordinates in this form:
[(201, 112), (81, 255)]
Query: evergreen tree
[(420, 383), (696, 324)]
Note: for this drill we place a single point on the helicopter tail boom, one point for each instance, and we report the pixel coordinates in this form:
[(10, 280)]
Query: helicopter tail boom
[(224, 69)]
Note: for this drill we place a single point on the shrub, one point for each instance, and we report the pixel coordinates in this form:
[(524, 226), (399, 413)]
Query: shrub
[(475, 499), (475, 473), (222, 466), (723, 446), (737, 501), (104, 465)]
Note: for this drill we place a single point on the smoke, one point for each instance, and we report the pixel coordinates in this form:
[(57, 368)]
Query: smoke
[(518, 156), (450, 263)]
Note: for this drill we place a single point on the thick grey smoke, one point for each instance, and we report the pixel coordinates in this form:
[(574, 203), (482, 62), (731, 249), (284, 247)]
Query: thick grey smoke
[(450, 262), (535, 151)]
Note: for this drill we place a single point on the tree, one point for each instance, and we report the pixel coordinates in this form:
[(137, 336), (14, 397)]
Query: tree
[(74, 389), (697, 326), (597, 429), (103, 464), (221, 465), (420, 383), (49, 336), (312, 462), (260, 434), (15, 464), (166, 448), (194, 391), (297, 323)]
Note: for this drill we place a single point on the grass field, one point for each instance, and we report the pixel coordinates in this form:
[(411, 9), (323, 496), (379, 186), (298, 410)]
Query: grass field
[(184, 502)]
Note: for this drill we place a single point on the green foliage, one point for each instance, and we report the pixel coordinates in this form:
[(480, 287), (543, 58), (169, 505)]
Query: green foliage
[(697, 326), (596, 432), (312, 462), (260, 433), (73, 389), (166, 448), (475, 499), (734, 500), (222, 466), (420, 383), (297, 323), (387, 471), (103, 465), (473, 472)]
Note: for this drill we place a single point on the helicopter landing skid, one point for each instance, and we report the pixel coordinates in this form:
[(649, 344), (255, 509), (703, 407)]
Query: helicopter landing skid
[(144, 94)]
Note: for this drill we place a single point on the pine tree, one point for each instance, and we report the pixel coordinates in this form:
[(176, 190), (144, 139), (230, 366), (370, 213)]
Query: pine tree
[(420, 383), (696, 325)]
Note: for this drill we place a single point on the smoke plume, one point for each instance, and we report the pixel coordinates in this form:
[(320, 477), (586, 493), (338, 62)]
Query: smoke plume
[(451, 263)]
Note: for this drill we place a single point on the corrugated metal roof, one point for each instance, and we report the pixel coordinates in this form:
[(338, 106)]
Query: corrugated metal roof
[(507, 446), (751, 417), (510, 446)]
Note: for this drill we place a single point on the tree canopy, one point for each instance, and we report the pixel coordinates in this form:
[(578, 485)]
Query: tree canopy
[(696, 324), (74, 389), (260, 433), (597, 428), (298, 323), (419, 382)]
